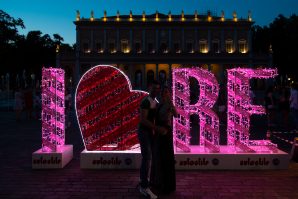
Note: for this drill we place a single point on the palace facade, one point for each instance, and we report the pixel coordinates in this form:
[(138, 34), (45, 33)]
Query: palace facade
[(148, 47)]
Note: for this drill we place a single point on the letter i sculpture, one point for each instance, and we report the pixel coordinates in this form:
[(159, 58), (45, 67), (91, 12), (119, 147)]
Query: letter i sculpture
[(53, 119)]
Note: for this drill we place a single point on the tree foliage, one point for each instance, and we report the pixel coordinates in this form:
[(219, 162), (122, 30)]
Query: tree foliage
[(29, 52), (282, 35), (9, 29)]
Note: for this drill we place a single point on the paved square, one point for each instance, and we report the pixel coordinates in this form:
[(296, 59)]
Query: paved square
[(19, 180)]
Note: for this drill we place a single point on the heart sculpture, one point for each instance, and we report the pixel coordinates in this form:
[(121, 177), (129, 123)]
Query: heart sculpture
[(107, 109)]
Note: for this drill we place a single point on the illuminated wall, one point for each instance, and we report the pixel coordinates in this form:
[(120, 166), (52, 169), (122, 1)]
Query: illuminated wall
[(53, 134)]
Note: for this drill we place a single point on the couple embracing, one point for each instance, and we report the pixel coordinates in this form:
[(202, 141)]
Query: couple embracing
[(156, 142)]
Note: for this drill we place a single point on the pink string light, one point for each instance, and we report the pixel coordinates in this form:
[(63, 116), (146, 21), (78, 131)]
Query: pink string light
[(53, 131), (209, 122), (240, 109)]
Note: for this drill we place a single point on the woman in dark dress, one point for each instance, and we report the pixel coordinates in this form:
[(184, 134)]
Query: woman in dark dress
[(164, 177), (270, 105), (284, 105)]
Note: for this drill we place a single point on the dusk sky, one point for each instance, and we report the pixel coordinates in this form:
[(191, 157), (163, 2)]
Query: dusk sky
[(57, 16)]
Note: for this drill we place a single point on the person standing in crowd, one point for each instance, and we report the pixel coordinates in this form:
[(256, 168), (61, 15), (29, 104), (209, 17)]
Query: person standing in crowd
[(37, 105), (222, 108), (19, 104), (163, 164), (270, 105), (284, 105), (28, 98), (67, 108), (146, 130), (294, 104)]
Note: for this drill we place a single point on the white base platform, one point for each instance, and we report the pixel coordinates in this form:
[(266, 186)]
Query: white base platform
[(52, 160), (198, 159), (110, 159)]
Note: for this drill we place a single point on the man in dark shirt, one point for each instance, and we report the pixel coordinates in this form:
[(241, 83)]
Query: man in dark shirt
[(146, 131)]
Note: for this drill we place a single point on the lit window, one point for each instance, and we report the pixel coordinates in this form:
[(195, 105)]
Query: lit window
[(177, 48), (242, 46), (86, 48), (150, 48), (163, 47), (189, 47), (112, 47), (229, 46), (99, 47), (124, 46), (215, 46), (203, 46), (138, 47)]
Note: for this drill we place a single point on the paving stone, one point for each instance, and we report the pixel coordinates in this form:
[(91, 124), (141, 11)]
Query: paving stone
[(18, 180)]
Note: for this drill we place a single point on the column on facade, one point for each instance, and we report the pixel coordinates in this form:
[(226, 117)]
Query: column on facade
[(58, 60), (170, 40), (156, 40), (209, 40), (222, 41), (221, 74), (77, 63), (105, 40), (196, 48), (169, 80), (130, 40), (117, 40), (156, 69), (249, 48), (183, 40), (144, 41), (144, 77), (92, 41), (131, 74), (209, 67), (249, 41), (235, 41)]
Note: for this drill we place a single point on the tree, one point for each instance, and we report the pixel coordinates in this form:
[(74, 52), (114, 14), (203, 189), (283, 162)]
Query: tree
[(30, 52), (58, 39), (282, 34), (9, 29)]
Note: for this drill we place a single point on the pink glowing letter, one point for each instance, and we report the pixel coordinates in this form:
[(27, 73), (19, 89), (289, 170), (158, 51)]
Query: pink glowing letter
[(209, 122), (52, 109), (240, 109)]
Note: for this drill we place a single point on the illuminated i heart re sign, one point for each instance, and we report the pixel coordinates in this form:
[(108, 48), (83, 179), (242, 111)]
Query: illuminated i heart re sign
[(108, 109)]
